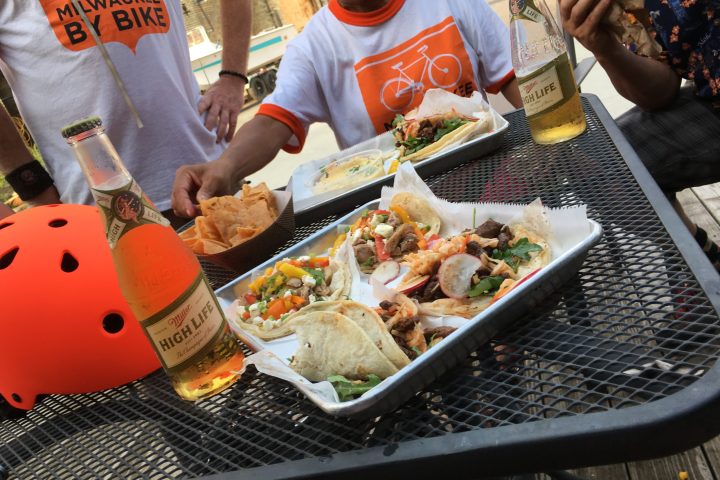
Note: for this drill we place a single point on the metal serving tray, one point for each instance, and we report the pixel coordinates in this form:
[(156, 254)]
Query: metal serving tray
[(343, 200), (397, 389)]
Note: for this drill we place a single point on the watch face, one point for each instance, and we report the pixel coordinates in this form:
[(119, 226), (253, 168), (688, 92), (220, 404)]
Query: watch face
[(28, 177), (127, 206)]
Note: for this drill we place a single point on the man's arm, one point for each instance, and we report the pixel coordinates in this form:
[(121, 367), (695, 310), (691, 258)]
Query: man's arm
[(648, 83), (511, 92), (255, 145), (225, 98), (14, 154)]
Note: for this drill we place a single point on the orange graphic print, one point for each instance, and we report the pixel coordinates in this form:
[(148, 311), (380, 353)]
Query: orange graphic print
[(123, 21), (394, 81)]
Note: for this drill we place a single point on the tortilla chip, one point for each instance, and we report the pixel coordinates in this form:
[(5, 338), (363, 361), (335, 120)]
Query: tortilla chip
[(230, 221), (331, 344)]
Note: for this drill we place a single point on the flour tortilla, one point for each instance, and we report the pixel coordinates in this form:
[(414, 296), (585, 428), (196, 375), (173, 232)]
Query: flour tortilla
[(418, 209), (329, 343), (461, 135), (365, 318)]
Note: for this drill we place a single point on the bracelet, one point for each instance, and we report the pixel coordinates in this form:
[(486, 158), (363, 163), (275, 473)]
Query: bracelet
[(29, 180), (234, 74)]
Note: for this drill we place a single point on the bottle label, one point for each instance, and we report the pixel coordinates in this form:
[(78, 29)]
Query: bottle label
[(525, 9), (126, 208), (188, 328), (547, 88)]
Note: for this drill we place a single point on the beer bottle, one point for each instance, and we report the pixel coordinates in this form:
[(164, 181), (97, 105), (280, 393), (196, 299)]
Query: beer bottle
[(159, 276), (545, 76)]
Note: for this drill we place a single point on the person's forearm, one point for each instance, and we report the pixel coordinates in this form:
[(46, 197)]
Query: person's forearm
[(511, 92), (648, 83), (255, 145), (236, 29), (13, 152)]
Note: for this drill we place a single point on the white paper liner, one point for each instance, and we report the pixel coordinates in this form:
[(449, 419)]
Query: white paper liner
[(562, 228)]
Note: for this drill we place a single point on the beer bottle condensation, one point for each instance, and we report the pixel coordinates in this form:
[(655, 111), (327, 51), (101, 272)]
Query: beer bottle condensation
[(159, 276), (545, 76)]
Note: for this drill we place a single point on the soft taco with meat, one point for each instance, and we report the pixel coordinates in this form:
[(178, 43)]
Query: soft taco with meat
[(443, 119), (464, 274), (382, 235), (344, 338), (291, 284)]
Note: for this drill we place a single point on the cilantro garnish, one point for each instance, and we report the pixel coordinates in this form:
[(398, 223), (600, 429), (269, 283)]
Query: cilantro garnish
[(317, 274), (486, 285), (520, 251), (448, 126), (398, 118), (347, 389)]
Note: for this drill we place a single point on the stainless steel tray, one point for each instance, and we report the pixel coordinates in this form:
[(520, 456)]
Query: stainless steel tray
[(396, 390), (343, 200)]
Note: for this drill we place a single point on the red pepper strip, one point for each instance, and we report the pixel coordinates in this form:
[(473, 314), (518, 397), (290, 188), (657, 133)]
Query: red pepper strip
[(319, 262), (380, 251), (250, 298)]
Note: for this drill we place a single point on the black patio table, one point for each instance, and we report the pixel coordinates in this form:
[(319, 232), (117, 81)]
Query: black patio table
[(616, 365)]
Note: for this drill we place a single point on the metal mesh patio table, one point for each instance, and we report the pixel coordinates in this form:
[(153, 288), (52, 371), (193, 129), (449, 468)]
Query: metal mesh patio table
[(616, 365)]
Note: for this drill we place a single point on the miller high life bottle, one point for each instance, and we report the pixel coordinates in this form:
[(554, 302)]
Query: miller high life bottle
[(545, 76), (158, 275)]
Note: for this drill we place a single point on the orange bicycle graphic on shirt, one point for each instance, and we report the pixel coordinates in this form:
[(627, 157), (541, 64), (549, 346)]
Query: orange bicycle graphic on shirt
[(443, 71)]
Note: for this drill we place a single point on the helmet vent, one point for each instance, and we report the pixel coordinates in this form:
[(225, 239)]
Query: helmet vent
[(69, 263), (58, 223), (16, 397), (8, 258), (113, 323), (4, 225)]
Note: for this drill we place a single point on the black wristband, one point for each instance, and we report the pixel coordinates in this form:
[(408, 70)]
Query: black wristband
[(234, 74), (29, 180)]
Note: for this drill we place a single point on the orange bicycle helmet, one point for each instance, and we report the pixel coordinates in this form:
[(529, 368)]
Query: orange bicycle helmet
[(65, 326)]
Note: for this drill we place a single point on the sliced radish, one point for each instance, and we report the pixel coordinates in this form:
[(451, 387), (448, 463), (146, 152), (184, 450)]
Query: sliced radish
[(412, 284), (386, 272), (455, 274)]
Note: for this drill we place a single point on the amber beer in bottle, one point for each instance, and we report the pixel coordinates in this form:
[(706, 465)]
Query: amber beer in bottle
[(545, 76), (158, 275)]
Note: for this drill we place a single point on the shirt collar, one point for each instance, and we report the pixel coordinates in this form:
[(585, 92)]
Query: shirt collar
[(365, 19)]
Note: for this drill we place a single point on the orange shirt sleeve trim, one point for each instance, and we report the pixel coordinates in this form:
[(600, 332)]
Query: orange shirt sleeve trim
[(288, 118), (497, 86), (366, 19)]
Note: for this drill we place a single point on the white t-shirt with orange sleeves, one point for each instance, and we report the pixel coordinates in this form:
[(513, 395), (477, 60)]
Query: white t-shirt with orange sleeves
[(357, 71)]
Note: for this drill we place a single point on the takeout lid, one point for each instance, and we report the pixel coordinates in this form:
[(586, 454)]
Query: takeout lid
[(259, 248)]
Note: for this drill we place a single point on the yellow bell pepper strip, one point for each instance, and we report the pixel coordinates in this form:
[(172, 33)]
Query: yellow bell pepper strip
[(257, 284), (338, 241), (422, 243), (291, 271)]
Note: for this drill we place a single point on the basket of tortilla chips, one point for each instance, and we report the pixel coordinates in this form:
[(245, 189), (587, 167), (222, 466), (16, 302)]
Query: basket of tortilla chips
[(239, 232)]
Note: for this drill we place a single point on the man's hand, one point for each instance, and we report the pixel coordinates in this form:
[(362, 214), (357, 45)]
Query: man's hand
[(581, 19), (200, 182), (48, 197), (223, 102)]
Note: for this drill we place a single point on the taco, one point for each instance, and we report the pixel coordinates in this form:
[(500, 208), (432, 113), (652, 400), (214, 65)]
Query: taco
[(464, 274), (366, 318), (331, 343), (290, 285), (442, 120), (381, 235)]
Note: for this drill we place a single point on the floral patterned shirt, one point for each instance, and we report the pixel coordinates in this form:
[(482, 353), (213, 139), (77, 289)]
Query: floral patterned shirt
[(689, 32)]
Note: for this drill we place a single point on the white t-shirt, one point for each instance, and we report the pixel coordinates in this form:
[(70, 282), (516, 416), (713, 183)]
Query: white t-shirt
[(357, 71), (58, 76)]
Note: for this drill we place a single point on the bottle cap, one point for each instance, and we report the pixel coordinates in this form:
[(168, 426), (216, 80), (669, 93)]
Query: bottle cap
[(81, 126)]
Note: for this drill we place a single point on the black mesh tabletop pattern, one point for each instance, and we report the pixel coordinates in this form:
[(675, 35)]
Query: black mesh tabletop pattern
[(616, 365)]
